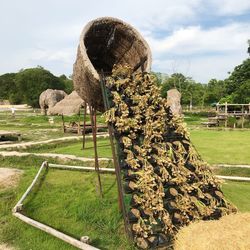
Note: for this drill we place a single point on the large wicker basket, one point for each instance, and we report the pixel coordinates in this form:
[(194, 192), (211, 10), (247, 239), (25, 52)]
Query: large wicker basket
[(103, 43)]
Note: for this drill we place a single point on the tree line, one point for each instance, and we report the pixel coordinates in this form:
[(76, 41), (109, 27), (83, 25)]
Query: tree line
[(234, 89), (27, 85)]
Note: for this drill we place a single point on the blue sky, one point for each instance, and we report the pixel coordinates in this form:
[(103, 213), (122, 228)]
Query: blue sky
[(199, 38)]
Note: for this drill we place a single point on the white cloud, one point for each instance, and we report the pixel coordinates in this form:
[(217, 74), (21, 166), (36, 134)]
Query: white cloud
[(46, 32), (201, 69), (65, 55), (194, 39), (231, 7), (201, 53)]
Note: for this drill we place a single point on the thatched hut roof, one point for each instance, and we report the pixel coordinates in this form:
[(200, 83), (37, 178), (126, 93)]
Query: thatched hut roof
[(70, 105), (104, 42)]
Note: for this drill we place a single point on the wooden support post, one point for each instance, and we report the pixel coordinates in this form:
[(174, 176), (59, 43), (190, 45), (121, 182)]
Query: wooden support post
[(84, 125), (63, 123), (93, 126), (19, 137), (242, 121), (117, 169), (79, 122), (225, 113), (121, 203)]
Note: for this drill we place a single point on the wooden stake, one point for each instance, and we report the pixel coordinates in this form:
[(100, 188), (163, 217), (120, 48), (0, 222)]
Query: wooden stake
[(63, 123), (93, 125), (121, 203), (84, 125), (79, 122)]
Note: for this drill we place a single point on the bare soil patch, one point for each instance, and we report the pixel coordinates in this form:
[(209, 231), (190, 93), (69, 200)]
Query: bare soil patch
[(6, 247), (9, 177)]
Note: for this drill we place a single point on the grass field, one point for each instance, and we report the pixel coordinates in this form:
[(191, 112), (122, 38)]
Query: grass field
[(68, 200), (238, 193), (34, 126), (230, 147), (75, 148)]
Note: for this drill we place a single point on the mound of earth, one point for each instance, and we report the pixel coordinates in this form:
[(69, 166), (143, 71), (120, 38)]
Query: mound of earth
[(229, 233), (9, 178)]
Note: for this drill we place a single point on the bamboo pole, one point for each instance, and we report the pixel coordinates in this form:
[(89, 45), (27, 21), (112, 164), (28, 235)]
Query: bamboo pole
[(231, 166), (59, 166), (235, 178), (18, 206), (54, 232)]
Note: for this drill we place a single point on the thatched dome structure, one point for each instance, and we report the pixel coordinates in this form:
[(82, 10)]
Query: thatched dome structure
[(49, 98), (70, 105), (104, 42)]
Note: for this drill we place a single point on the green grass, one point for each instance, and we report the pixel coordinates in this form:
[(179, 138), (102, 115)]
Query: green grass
[(231, 147), (36, 126), (25, 162), (243, 172), (29, 118), (65, 200), (104, 149), (75, 148), (191, 119), (68, 200), (238, 193)]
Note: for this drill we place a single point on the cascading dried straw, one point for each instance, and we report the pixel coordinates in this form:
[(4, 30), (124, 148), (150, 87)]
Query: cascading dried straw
[(169, 183)]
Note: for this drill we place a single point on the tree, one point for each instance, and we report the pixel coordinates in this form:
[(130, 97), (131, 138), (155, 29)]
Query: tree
[(68, 83), (192, 93), (30, 83), (159, 77), (7, 85), (240, 74), (242, 94), (216, 89)]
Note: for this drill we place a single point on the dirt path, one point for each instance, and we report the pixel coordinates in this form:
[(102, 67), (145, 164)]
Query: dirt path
[(50, 155), (33, 143), (9, 177)]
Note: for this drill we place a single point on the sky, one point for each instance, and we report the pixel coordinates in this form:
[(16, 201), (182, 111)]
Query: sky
[(201, 39)]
